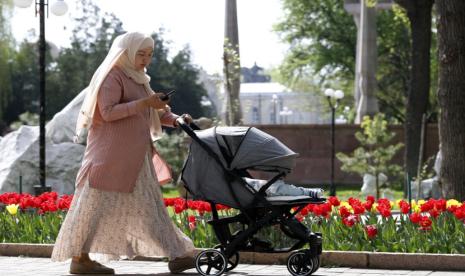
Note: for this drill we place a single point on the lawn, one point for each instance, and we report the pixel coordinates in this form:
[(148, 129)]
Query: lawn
[(342, 193)]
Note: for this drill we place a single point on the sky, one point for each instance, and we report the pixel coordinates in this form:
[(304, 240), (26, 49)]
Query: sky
[(199, 24)]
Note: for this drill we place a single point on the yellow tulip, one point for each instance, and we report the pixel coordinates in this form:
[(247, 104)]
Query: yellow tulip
[(453, 202), (347, 205), (12, 209)]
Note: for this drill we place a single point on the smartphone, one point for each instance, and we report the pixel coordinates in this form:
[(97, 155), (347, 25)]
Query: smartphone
[(167, 95)]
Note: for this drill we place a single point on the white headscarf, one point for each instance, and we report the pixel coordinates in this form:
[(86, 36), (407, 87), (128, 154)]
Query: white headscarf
[(122, 53)]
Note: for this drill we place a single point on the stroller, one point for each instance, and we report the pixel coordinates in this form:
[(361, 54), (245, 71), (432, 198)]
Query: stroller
[(215, 170)]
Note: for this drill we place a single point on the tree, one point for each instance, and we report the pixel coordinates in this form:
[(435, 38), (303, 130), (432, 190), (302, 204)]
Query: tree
[(322, 39), (25, 82), (322, 36), (71, 72), (92, 37), (6, 60), (419, 14), (374, 154), (231, 64), (451, 95), (394, 59), (178, 74)]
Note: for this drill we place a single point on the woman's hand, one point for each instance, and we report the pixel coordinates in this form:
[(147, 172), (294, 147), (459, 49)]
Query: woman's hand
[(186, 117), (154, 101)]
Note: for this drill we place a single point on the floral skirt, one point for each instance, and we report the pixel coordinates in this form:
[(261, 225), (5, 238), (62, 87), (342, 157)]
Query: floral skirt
[(114, 225)]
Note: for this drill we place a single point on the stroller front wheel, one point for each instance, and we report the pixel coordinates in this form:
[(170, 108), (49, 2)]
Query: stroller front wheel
[(233, 261), (300, 264), (211, 262)]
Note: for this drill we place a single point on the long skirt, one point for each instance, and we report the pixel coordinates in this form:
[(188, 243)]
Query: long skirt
[(115, 225)]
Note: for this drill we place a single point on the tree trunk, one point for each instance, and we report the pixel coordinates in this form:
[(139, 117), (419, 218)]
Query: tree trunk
[(419, 14), (451, 96), (232, 114)]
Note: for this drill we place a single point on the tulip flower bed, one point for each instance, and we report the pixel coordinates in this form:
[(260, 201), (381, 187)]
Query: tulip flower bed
[(433, 226), (29, 219)]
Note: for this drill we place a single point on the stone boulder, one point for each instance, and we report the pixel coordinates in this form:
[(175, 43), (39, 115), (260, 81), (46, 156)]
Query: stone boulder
[(62, 127), (369, 183), (19, 154)]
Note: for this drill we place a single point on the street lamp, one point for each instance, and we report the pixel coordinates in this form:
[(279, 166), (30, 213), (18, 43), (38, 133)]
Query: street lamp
[(274, 102), (333, 101), (286, 112), (58, 8)]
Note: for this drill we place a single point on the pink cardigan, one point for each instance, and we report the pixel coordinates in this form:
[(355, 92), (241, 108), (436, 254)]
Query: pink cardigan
[(119, 136)]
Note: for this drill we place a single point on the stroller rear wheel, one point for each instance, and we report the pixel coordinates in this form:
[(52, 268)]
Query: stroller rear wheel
[(233, 261), (211, 262), (299, 264)]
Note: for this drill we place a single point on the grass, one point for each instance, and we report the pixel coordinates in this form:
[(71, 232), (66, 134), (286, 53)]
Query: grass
[(169, 191), (343, 193)]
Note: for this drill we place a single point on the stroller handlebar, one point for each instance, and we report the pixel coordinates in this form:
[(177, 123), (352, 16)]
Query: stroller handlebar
[(188, 128)]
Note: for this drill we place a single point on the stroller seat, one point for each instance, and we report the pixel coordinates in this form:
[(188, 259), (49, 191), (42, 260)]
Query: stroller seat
[(281, 193), (284, 200)]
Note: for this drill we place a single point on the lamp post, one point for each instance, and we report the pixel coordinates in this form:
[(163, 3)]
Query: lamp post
[(274, 102), (285, 113), (333, 101), (58, 8)]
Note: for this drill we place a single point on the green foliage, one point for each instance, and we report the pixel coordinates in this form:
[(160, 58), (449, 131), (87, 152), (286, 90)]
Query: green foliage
[(29, 227), (231, 70), (445, 234), (72, 70), (26, 118), (92, 37), (393, 72), (374, 154), (322, 46), (178, 74), (322, 36), (6, 57), (173, 149)]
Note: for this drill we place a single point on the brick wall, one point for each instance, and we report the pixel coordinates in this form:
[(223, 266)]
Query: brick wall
[(313, 143)]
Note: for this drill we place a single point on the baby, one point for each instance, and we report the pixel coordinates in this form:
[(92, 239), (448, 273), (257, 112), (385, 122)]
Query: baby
[(280, 188)]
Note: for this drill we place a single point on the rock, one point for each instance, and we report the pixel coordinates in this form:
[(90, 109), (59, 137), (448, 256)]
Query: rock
[(19, 153), (14, 160), (63, 125), (369, 183), (430, 188), (19, 156), (63, 163)]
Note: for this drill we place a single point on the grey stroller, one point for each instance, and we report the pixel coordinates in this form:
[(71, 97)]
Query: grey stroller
[(219, 160)]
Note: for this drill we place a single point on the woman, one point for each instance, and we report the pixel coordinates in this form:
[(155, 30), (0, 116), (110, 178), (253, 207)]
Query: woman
[(118, 210)]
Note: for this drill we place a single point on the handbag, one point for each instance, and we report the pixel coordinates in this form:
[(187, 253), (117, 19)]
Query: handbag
[(162, 169)]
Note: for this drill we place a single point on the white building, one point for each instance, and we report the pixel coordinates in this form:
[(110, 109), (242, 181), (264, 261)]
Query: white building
[(272, 103)]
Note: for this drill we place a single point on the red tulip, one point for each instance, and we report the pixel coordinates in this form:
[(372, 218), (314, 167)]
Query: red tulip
[(371, 230), (334, 201)]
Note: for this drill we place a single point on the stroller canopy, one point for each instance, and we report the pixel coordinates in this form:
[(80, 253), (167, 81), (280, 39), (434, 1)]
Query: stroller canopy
[(248, 148), (237, 148)]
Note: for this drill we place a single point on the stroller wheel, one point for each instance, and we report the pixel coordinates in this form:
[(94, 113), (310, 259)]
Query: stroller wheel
[(211, 262), (316, 263), (298, 264), (233, 261)]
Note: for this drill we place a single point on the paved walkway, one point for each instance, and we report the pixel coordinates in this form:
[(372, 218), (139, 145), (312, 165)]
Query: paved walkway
[(24, 266)]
